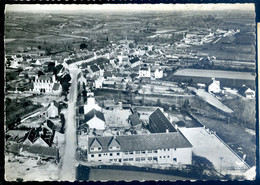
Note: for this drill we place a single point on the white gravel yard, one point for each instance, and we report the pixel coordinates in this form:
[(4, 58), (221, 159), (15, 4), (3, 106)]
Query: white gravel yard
[(117, 117), (27, 169), (209, 146)]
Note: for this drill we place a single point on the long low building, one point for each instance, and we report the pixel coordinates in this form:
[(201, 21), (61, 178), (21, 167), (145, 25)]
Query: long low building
[(158, 148)]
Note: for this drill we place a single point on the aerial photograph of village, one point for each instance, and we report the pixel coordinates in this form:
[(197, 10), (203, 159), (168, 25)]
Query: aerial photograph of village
[(130, 92)]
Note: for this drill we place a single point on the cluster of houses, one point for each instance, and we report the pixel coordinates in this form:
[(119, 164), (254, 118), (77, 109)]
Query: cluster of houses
[(38, 134)]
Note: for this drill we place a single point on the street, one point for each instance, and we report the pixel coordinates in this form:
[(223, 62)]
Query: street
[(68, 172)]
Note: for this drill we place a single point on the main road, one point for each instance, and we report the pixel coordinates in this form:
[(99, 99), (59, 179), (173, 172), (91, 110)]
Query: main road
[(68, 172)]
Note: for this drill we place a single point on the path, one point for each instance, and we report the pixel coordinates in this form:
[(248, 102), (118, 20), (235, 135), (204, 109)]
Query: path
[(68, 172)]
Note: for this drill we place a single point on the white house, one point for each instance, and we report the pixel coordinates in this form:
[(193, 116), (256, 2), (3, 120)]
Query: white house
[(213, 86), (99, 82), (158, 73), (53, 110), (144, 71), (158, 148), (95, 120), (91, 104), (46, 84)]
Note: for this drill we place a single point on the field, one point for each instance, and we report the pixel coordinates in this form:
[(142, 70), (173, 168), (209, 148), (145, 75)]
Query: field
[(215, 74)]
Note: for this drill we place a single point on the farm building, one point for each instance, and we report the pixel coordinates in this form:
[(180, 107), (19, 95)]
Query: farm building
[(46, 84), (246, 92), (53, 110)]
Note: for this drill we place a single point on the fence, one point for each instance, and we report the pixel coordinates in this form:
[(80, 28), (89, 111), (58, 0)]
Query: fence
[(231, 150)]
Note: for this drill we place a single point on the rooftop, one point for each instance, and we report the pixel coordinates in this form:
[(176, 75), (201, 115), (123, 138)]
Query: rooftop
[(143, 142)]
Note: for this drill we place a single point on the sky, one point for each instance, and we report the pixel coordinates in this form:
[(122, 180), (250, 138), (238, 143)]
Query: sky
[(124, 7)]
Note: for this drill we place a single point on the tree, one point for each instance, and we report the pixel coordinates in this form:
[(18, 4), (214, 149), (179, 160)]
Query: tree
[(159, 104), (40, 73), (62, 118)]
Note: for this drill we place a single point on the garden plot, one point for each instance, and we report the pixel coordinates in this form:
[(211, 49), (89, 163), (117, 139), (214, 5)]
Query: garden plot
[(117, 117)]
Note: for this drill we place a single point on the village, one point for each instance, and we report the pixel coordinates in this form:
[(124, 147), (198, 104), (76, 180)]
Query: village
[(129, 104)]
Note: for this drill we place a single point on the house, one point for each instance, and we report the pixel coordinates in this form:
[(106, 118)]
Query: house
[(95, 119), (246, 92), (158, 148), (91, 103), (144, 71), (46, 84), (158, 73), (53, 110), (134, 120), (99, 82), (40, 136), (213, 86), (134, 61), (159, 123)]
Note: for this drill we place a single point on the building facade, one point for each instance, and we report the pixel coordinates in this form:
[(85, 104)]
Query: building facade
[(159, 148)]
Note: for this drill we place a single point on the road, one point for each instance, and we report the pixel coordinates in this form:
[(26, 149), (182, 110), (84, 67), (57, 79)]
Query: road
[(68, 172)]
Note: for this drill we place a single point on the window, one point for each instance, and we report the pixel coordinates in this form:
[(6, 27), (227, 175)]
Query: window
[(99, 155), (137, 152), (110, 148), (99, 148), (160, 156), (92, 149), (92, 155), (142, 158), (150, 158), (143, 152), (125, 159), (115, 160), (105, 154), (111, 160), (168, 156), (111, 154), (174, 148), (117, 147), (163, 156), (137, 159), (155, 158), (131, 153), (117, 153), (126, 153), (155, 151), (131, 159), (174, 159)]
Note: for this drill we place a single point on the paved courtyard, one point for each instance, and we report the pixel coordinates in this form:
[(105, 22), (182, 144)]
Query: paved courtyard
[(209, 146)]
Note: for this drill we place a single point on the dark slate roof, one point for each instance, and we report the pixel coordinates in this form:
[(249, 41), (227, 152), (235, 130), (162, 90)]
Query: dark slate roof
[(107, 74), (134, 119), (45, 78), (143, 142), (56, 86), (242, 90), (91, 114), (94, 68), (158, 123)]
